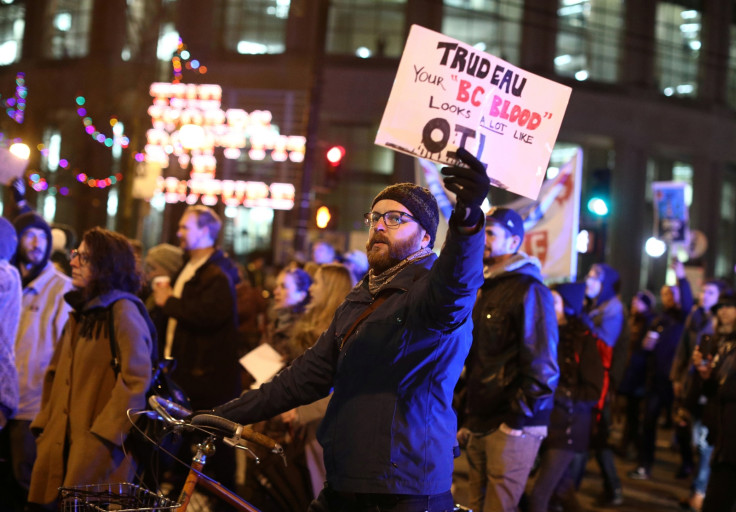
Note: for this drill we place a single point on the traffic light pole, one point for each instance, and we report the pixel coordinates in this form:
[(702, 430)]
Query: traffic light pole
[(310, 149)]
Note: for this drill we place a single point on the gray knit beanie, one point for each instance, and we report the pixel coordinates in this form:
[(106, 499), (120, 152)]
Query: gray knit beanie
[(167, 256), (419, 201), (8, 239)]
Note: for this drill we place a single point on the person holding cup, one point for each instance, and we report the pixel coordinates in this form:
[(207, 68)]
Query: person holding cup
[(160, 266)]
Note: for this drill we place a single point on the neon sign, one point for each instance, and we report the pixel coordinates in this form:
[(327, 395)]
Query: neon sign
[(188, 123)]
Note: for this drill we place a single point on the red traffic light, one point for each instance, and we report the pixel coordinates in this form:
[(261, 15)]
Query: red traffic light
[(335, 155)]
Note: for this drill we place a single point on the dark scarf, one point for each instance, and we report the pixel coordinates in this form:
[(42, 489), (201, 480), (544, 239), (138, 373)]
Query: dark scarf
[(377, 282)]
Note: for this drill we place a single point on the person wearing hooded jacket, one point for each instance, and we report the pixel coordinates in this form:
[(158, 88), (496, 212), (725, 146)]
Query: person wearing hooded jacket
[(511, 371), (83, 420), (42, 318), (604, 313)]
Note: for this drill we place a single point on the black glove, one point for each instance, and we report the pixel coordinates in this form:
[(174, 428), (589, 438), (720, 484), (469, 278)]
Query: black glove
[(19, 190), (470, 185)]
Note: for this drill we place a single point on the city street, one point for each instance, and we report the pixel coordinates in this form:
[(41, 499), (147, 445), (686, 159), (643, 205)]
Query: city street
[(659, 494)]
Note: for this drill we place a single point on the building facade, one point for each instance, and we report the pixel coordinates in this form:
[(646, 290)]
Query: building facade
[(654, 99)]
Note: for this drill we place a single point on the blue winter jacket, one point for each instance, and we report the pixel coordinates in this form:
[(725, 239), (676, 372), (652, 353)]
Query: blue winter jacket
[(390, 426)]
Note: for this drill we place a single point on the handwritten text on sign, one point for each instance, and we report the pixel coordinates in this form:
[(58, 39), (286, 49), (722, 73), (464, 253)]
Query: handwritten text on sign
[(447, 95)]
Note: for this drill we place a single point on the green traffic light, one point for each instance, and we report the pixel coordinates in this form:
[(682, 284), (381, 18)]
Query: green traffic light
[(598, 206)]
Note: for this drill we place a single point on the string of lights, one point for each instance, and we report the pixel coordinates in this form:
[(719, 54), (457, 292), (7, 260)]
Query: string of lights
[(15, 107), (182, 59), (93, 132)]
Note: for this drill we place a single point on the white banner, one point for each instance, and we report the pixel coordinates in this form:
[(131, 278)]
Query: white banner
[(447, 95), (552, 222)]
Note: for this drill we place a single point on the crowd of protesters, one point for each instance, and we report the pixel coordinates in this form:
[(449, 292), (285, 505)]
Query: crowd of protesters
[(545, 365)]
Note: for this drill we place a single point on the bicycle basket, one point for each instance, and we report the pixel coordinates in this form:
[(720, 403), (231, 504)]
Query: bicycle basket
[(122, 497)]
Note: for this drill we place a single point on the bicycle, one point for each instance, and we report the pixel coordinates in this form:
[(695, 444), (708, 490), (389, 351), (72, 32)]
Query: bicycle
[(129, 497)]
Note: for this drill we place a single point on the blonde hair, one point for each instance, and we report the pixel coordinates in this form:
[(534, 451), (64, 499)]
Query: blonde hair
[(338, 281)]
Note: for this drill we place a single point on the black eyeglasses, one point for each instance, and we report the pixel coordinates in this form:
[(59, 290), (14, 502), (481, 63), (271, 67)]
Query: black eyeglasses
[(83, 256), (391, 218)]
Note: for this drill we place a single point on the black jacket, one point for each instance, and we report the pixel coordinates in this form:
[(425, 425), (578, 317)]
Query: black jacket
[(390, 426), (206, 336), (512, 368), (579, 389)]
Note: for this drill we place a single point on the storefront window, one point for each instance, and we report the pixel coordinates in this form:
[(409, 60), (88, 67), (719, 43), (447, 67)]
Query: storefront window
[(588, 39), (366, 28), (492, 26)]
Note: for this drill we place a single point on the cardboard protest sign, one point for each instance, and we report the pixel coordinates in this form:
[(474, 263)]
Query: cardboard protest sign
[(448, 94), (671, 216)]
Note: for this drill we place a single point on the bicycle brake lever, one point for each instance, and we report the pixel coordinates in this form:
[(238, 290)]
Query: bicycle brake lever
[(239, 446)]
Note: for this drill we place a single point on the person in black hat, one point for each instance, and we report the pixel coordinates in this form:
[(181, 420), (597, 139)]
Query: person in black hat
[(715, 378), (511, 371), (393, 355)]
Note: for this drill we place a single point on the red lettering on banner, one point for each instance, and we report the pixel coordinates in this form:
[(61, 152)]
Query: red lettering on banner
[(536, 244)]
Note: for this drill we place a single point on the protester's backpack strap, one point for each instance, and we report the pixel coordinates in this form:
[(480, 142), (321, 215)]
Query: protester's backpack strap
[(115, 362), (367, 311)]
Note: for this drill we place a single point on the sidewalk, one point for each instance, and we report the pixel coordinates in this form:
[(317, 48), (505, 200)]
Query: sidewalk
[(661, 493)]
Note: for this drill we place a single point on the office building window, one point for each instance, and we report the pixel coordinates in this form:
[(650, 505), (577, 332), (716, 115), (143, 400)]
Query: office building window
[(491, 26), (726, 256), (366, 28), (678, 29), (141, 17), (67, 28), (254, 27), (588, 39), (12, 25), (731, 83)]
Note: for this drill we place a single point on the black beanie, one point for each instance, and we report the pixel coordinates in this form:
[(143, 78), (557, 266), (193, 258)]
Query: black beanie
[(32, 220), (419, 201)]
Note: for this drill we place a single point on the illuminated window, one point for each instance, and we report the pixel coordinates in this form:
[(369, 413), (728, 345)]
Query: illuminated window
[(12, 25), (366, 28), (255, 26), (492, 26), (52, 142), (588, 38), (139, 18), (731, 84), (67, 28), (678, 36), (726, 255)]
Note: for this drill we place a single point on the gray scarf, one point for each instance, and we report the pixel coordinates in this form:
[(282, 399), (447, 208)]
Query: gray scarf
[(377, 282)]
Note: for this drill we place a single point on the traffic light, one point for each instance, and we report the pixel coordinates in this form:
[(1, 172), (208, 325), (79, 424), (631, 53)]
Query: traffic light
[(333, 156), (323, 217), (599, 202)]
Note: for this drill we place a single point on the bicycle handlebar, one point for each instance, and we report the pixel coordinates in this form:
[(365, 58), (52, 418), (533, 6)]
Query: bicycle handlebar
[(174, 414), (236, 430)]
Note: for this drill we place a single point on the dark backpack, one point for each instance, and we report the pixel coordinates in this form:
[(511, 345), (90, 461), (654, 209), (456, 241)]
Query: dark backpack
[(138, 443)]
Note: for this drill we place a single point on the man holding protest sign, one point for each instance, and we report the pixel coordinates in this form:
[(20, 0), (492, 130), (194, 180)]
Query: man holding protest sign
[(393, 354)]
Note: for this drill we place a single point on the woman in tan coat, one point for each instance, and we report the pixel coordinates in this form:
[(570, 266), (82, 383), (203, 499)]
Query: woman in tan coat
[(83, 421)]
